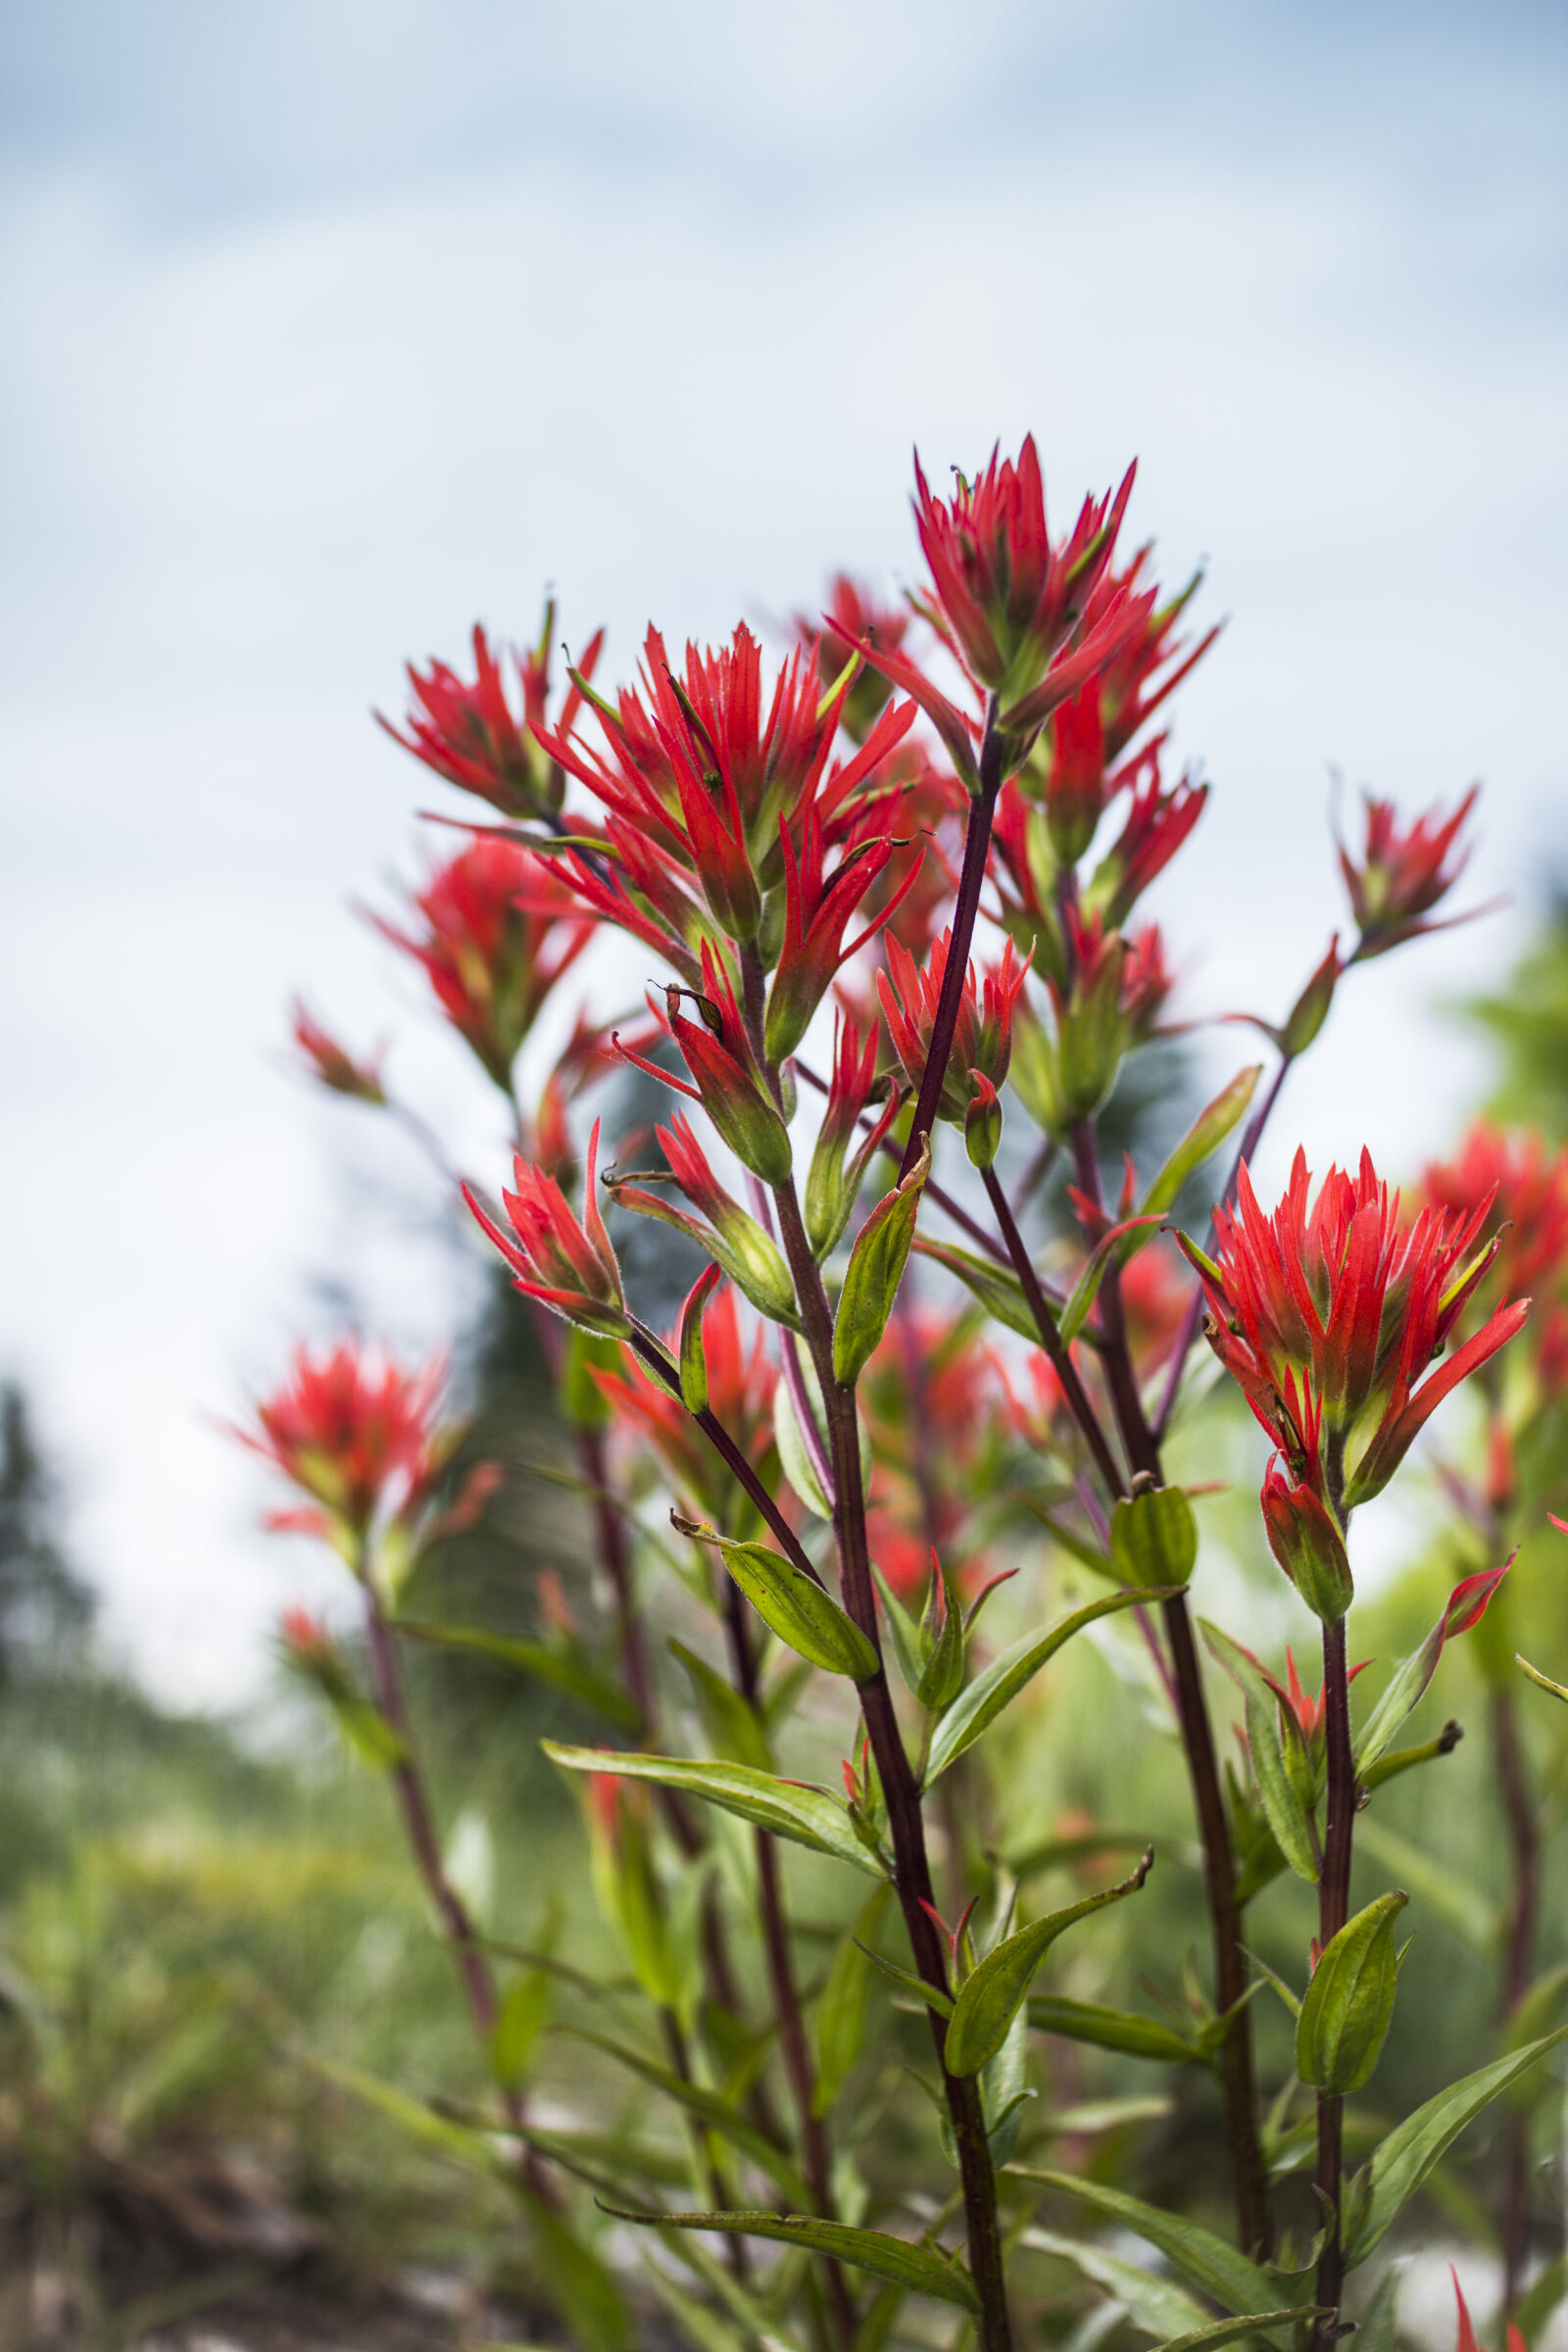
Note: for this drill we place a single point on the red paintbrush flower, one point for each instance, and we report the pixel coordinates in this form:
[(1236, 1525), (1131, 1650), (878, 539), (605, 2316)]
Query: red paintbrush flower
[(816, 913), (703, 774), (500, 929), (856, 613), (731, 1238), (1156, 824), (1465, 2341), (1405, 871), (356, 1433), (1328, 1317), (729, 1085), (332, 1065), (565, 1266), (834, 1178), (982, 1042), (1523, 1194), (469, 733)]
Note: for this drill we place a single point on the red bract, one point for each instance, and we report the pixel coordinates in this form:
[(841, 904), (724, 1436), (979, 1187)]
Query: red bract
[(733, 1239), (1328, 1317), (701, 775), (1405, 871), (1465, 2341), (469, 735), (816, 913), (982, 1041), (332, 1065), (1522, 1192), (1156, 824), (729, 1085), (565, 1266), (355, 1431), (855, 613), (835, 1175), (499, 932), (1298, 1702)]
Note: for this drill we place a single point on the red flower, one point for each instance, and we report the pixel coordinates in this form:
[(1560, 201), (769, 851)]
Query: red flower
[(1523, 1196), (734, 1239), (1145, 982), (305, 1638), (356, 1433), (1465, 2341), (500, 931), (469, 734), (332, 1065), (982, 1041), (1156, 824), (834, 1178), (706, 781), (1405, 871), (816, 913), (1328, 1318), (565, 1266), (1297, 1700), (856, 613)]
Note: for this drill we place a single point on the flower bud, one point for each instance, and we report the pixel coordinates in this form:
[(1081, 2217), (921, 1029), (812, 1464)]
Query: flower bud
[(1154, 1537), (1312, 1007), (982, 1125), (1308, 1545)]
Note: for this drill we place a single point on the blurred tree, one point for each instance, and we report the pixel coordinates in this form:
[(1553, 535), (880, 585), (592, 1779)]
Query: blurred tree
[(45, 1609), (1528, 1022)]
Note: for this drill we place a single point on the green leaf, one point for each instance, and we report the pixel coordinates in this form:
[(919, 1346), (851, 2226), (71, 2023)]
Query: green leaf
[(992, 1996), (911, 1647), (1389, 1768), (693, 1352), (1234, 2331), (728, 1719), (1544, 1679), (795, 1456), (518, 2025), (1154, 2305), (808, 1815), (907, 1982), (1288, 1817), (1206, 1133), (841, 2011), (706, 2330), (1111, 2030), (975, 1710), (800, 1610), (365, 1730), (942, 1678), (1398, 2165), (1077, 1548), (711, 2109), (1378, 2329), (1349, 2005), (918, 2269), (1085, 1289), (577, 2282), (1000, 1293), (1530, 2315), (1203, 2260), (558, 1667), (1153, 1537), (470, 2147), (874, 1272)]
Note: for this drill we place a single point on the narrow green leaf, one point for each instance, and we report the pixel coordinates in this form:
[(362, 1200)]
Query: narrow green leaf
[(518, 2025), (1203, 2260), (1077, 1548), (1389, 1768), (1288, 1817), (578, 2283), (559, 1667), (1053, 1853), (1398, 2165), (1544, 1679), (707, 2105), (1542, 2301), (907, 1982), (1378, 2329), (800, 1610), (365, 1730), (1349, 2005), (705, 2328), (1085, 1289), (911, 1647), (975, 1710), (1235, 2331), (874, 1272), (728, 1719), (808, 1815), (1206, 1133), (1111, 2030), (1156, 2306), (939, 1685), (919, 2268), (795, 1456), (468, 2146), (990, 1999), (1000, 1293), (842, 2010)]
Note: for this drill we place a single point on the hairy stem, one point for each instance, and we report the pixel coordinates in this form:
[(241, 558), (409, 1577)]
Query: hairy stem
[(1334, 1907)]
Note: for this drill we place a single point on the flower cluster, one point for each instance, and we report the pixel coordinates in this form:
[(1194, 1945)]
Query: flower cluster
[(358, 1435), (468, 735)]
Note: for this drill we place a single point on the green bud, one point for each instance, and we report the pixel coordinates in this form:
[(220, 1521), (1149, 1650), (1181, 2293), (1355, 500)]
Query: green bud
[(982, 1123), (1092, 1036), (1312, 1007), (1154, 1537), (1345, 2016), (943, 1679)]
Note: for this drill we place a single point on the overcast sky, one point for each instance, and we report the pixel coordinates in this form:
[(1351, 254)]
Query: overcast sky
[(329, 327)]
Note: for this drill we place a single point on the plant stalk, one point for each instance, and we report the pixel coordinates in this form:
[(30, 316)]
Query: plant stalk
[(1334, 1908), (1524, 1838)]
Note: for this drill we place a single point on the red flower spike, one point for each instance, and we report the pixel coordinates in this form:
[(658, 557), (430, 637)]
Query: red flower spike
[(1405, 871), (356, 1433), (750, 1258), (816, 913), (1075, 778), (1327, 1319), (332, 1065), (1523, 1194), (834, 1178), (469, 734), (500, 930), (1156, 824), (855, 613), (305, 1638), (982, 1042), (1008, 598), (567, 1266), (1298, 1700)]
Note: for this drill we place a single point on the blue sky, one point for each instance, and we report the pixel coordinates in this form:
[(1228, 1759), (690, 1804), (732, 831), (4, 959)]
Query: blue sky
[(330, 327)]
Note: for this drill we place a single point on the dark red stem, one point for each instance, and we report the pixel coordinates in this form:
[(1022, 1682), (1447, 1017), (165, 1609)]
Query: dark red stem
[(1524, 1838), (1334, 1908), (976, 845)]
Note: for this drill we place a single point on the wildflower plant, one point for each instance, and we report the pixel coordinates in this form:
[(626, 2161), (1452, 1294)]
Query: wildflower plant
[(898, 876)]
